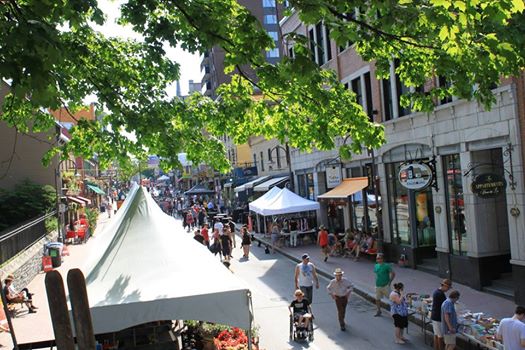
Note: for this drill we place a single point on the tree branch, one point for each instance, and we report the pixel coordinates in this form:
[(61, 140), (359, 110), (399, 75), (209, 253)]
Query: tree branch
[(378, 31)]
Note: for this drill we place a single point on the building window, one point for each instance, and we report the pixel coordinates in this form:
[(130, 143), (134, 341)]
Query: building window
[(443, 83), (320, 44), (262, 161), (254, 159), (272, 53), (270, 19), (455, 204), (268, 3), (274, 36), (362, 88), (301, 185), (291, 52), (278, 156), (310, 187), (270, 155), (398, 207)]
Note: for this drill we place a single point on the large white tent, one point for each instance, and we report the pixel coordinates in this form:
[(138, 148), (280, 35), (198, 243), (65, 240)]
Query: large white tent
[(146, 271), (286, 202), (262, 201)]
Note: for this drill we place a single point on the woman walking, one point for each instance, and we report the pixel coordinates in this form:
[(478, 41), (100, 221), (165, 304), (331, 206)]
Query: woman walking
[(246, 242), (399, 310), (226, 243)]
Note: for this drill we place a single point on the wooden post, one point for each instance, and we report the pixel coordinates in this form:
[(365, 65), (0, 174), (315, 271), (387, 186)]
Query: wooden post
[(76, 284), (56, 298)]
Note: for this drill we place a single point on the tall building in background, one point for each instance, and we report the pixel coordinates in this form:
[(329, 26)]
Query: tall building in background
[(268, 12)]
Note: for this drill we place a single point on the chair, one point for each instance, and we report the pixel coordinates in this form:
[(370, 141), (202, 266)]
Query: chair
[(71, 235), (81, 234)]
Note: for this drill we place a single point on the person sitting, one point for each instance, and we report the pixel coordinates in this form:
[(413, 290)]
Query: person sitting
[(14, 297), (355, 245), (300, 309)]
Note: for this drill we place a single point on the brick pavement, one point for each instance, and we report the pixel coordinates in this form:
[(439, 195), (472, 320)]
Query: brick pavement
[(37, 327)]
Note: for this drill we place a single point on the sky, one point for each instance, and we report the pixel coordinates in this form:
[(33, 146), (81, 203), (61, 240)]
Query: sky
[(189, 63)]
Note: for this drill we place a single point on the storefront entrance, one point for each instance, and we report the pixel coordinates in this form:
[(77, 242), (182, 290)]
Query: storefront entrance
[(411, 212)]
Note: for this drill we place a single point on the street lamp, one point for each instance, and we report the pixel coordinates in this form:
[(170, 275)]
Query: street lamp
[(286, 150)]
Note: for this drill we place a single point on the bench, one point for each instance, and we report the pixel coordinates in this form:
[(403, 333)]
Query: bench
[(13, 308)]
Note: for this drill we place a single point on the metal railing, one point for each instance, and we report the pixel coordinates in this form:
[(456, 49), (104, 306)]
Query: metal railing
[(17, 239)]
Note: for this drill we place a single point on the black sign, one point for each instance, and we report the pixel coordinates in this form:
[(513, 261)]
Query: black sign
[(488, 185)]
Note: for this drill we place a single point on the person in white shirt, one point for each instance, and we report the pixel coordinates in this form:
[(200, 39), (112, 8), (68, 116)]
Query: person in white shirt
[(218, 225), (340, 289), (512, 330)]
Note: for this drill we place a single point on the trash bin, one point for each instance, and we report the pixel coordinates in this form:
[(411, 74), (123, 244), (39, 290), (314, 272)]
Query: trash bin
[(56, 257), (102, 208), (54, 250)]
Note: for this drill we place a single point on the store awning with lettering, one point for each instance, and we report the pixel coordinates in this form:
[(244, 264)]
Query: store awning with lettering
[(346, 188)]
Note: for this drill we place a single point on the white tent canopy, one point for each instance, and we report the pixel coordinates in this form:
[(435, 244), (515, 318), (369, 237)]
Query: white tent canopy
[(163, 178), (286, 202), (263, 201), (144, 271)]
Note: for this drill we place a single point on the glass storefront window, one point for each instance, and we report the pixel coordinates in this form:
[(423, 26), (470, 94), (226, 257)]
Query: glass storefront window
[(310, 189), (301, 185), (455, 204), (426, 233), (398, 206)]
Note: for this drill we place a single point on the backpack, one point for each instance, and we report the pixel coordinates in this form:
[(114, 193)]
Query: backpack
[(331, 240)]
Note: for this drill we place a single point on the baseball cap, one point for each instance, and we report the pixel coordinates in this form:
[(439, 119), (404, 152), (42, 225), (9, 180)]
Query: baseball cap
[(305, 256)]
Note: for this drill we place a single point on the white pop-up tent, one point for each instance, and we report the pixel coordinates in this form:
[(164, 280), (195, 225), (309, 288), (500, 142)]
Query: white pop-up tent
[(262, 202), (144, 271), (286, 202)]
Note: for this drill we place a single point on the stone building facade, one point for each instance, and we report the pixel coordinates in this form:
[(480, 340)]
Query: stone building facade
[(450, 229)]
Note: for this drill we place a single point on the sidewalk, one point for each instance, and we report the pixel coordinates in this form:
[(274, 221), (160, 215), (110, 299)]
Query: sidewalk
[(362, 276), (37, 327)]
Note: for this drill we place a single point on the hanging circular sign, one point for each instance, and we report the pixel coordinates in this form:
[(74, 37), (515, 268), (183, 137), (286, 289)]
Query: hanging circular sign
[(415, 176), (488, 185)]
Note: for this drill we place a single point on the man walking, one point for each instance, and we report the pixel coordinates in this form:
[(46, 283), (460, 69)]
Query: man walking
[(340, 289), (437, 300), (512, 330), (305, 277), (449, 320), (384, 277)]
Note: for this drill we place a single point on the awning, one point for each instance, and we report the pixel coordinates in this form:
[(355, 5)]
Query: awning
[(228, 184), (96, 189), (346, 188), (85, 200), (250, 184), (76, 200), (265, 186)]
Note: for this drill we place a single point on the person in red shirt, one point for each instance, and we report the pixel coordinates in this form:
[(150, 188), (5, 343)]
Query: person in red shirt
[(204, 233), (322, 241)]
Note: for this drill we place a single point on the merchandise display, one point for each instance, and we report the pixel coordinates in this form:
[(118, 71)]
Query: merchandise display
[(476, 327)]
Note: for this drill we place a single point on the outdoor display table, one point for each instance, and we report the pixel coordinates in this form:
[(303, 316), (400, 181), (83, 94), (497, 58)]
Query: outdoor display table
[(287, 238), (475, 328)]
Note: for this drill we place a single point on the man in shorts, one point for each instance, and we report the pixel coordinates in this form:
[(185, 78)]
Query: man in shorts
[(384, 277), (449, 320), (438, 297)]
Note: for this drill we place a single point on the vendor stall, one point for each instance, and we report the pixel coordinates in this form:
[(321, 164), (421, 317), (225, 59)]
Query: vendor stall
[(295, 215), (476, 328)]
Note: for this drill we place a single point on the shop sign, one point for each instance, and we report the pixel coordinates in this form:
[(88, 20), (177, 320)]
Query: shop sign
[(415, 176), (333, 176), (488, 185)]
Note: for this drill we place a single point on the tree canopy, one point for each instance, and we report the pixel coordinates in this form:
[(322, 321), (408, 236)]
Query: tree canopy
[(52, 58)]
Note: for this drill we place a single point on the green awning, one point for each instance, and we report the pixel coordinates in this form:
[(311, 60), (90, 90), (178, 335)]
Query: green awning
[(96, 189)]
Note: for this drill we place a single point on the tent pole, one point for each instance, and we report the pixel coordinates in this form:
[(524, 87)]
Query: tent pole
[(250, 310)]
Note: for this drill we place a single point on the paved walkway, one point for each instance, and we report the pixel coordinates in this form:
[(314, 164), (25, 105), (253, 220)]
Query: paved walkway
[(362, 275), (37, 327)]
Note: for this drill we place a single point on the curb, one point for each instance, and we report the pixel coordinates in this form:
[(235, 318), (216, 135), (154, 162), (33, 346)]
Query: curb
[(359, 291)]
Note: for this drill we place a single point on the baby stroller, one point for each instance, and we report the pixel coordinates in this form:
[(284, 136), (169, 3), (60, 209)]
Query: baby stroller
[(300, 332)]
